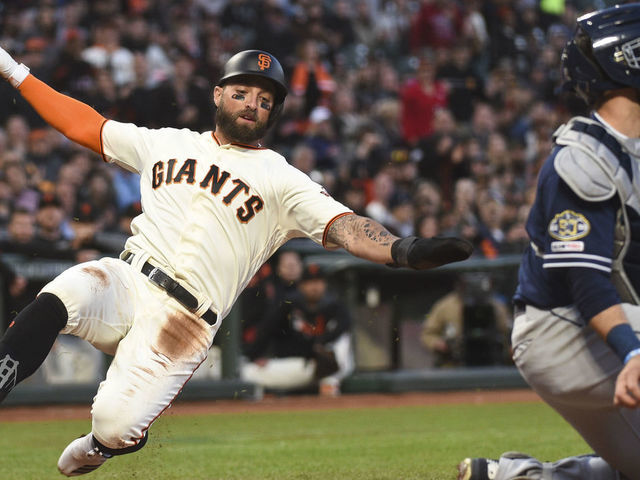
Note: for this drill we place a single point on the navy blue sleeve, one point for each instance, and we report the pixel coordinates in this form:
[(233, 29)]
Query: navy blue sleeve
[(577, 233), (569, 261), (592, 291)]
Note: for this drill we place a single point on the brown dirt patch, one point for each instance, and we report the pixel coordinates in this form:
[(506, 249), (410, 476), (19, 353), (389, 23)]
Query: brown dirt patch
[(281, 404)]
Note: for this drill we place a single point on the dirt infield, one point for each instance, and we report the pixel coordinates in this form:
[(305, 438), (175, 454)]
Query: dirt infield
[(280, 404)]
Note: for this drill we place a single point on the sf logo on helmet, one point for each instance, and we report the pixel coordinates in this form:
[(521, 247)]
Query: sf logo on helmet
[(264, 61)]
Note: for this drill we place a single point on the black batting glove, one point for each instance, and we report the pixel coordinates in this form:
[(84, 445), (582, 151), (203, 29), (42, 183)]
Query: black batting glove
[(425, 253)]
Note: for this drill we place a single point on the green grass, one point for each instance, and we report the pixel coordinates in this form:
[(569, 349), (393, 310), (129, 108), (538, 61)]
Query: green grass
[(364, 444)]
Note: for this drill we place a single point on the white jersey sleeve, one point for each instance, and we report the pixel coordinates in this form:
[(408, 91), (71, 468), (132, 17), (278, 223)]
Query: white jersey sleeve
[(131, 147), (307, 208), (125, 144)]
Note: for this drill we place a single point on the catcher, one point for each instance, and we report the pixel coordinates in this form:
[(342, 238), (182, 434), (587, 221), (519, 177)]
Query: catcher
[(577, 314)]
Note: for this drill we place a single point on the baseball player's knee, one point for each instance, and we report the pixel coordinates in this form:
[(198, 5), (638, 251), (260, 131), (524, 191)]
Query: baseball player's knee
[(115, 427), (80, 285)]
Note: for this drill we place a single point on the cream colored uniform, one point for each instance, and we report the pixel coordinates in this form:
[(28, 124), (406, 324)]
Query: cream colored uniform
[(212, 215)]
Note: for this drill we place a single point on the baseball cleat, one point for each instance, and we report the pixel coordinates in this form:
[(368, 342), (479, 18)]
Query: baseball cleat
[(477, 469), (81, 456)]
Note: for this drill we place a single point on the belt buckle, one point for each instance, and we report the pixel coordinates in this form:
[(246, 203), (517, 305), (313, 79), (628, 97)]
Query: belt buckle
[(159, 278)]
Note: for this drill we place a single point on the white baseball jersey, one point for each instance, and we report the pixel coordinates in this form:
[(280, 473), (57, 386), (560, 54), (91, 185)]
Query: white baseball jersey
[(213, 214)]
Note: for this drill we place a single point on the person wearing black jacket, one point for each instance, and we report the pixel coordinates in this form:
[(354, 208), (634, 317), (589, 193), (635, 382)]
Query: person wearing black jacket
[(305, 342)]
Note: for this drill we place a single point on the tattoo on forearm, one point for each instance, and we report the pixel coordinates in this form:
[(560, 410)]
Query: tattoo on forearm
[(376, 232), (348, 230)]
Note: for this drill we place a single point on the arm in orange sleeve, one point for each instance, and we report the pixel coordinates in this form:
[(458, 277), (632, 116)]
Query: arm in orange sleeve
[(75, 120)]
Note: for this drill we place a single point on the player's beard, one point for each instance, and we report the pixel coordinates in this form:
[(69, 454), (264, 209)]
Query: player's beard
[(228, 124)]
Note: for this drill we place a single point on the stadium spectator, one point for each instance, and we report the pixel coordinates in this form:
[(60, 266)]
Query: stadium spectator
[(491, 236), (310, 78), (421, 96), (50, 229), (17, 130), (23, 195), (401, 220), (462, 218), (440, 155), (368, 153), (437, 24), (183, 101), (354, 196), (372, 80), (340, 25), (387, 113), (322, 139), (107, 53), (273, 284), (305, 343), (20, 235), (303, 157), (126, 186), (378, 206), (96, 207), (136, 99), (427, 199), (274, 33), (464, 84), (469, 326), (427, 225), (364, 23), (42, 154), (346, 118), (393, 21)]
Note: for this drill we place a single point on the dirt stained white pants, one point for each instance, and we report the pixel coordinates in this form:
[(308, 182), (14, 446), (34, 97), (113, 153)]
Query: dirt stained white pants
[(157, 344)]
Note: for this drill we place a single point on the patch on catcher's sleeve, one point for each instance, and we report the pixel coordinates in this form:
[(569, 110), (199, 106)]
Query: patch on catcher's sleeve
[(559, 247), (569, 225)]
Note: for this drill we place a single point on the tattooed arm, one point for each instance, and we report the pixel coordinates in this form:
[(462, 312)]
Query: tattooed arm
[(362, 237), (366, 238)]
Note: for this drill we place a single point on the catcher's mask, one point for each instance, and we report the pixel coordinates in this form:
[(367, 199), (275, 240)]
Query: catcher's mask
[(261, 64), (604, 53)]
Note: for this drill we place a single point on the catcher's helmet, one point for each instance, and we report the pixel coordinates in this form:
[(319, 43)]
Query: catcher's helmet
[(604, 53)]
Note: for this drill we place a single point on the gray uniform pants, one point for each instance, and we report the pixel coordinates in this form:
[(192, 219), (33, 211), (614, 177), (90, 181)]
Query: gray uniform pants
[(574, 371)]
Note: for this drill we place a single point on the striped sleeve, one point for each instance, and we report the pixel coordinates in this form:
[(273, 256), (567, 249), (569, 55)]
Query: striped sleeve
[(584, 260)]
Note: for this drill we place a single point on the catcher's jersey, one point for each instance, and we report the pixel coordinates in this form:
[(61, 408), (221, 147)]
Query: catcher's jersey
[(567, 231), (213, 214)]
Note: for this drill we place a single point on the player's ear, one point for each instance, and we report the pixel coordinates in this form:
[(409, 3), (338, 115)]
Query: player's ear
[(217, 94)]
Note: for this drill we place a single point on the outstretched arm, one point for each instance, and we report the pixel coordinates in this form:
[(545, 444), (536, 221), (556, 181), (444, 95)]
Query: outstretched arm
[(362, 237), (366, 238), (75, 120)]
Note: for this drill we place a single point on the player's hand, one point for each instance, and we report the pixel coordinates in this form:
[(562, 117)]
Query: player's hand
[(425, 253), (11, 70), (7, 64), (627, 392)]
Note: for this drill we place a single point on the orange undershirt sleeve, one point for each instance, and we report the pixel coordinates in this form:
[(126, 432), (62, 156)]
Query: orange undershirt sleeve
[(75, 120)]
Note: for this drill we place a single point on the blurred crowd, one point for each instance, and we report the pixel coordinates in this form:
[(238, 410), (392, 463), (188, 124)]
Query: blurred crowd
[(430, 116)]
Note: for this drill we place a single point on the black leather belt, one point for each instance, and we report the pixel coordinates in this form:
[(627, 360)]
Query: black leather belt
[(174, 289)]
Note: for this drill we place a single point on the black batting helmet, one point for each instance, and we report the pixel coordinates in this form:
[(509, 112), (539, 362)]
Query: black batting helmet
[(261, 64), (604, 53)]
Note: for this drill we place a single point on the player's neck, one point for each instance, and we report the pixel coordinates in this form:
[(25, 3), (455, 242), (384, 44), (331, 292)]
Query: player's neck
[(623, 114)]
